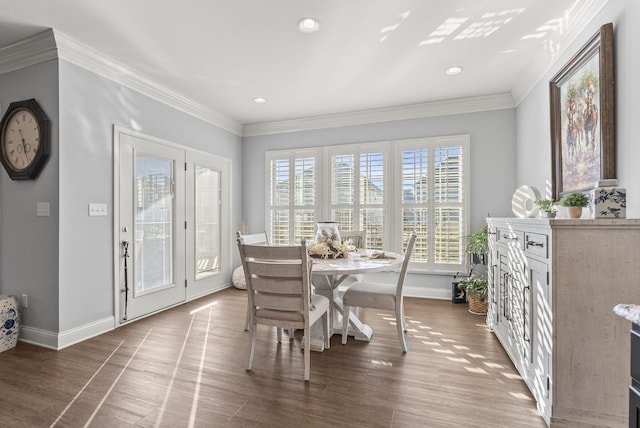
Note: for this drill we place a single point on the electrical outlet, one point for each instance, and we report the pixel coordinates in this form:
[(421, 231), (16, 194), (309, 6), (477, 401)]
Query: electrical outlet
[(97, 210), (42, 209), (25, 301)]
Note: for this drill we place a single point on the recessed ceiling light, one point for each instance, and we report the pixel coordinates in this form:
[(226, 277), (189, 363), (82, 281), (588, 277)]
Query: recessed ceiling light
[(308, 25), (454, 70), (259, 100)]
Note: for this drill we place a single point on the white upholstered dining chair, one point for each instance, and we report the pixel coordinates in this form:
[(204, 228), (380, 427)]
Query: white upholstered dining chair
[(279, 287), (389, 296)]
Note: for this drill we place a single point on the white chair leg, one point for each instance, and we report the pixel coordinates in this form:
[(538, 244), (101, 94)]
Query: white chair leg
[(404, 321), (252, 345), (247, 321), (346, 311), (325, 331), (279, 334), (307, 353), (400, 327)]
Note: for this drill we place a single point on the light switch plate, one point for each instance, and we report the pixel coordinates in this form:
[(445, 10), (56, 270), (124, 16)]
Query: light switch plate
[(42, 209), (97, 210)]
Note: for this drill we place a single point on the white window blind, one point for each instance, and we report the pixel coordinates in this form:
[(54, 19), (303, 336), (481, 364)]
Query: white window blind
[(433, 199), (292, 196), (357, 190), (389, 189)]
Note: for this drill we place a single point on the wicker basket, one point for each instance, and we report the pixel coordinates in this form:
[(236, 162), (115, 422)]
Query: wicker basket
[(476, 305)]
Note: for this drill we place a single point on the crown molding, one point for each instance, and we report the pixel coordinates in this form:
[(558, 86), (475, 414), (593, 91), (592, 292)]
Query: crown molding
[(83, 56), (414, 111), (574, 25), (52, 44), (33, 50)]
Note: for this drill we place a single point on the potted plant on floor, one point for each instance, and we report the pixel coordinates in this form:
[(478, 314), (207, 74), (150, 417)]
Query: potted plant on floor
[(575, 202), (477, 289), (547, 206), (477, 244)]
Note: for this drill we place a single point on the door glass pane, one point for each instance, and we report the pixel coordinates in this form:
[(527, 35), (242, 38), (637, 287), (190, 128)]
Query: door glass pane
[(207, 212), (153, 223)]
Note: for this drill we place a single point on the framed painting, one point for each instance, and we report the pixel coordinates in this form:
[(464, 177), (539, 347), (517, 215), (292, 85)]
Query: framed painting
[(583, 117)]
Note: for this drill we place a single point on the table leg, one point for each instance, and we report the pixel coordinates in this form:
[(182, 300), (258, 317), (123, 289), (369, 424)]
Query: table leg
[(327, 285)]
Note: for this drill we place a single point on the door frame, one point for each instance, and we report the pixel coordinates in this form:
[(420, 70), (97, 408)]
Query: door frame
[(225, 221)]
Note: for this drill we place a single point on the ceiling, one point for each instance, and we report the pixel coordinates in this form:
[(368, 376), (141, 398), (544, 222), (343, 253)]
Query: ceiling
[(368, 54)]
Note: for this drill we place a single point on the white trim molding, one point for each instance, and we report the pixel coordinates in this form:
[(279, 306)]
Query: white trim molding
[(52, 44), (57, 341), (414, 111), (30, 51)]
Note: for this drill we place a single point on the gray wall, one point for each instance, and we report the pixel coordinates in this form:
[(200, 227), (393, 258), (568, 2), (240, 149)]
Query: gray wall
[(534, 147), (89, 106), (64, 262), (29, 249), (493, 167)]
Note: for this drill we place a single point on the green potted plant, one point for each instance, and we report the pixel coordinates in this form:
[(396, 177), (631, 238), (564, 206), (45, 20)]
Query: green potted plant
[(477, 290), (477, 244), (547, 206), (575, 202)]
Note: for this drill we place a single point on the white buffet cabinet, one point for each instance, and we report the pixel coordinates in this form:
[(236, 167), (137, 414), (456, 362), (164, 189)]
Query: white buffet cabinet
[(552, 288)]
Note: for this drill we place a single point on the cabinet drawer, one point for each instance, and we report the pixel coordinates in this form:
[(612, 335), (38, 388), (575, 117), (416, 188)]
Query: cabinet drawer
[(536, 244), (510, 236)]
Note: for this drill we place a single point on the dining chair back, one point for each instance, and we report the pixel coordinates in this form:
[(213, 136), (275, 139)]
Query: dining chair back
[(389, 296), (253, 239), (358, 237), (279, 289)]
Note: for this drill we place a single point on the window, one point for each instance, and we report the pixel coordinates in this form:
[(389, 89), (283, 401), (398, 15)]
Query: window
[(292, 197), (433, 199), (207, 220), (388, 189), (357, 190)]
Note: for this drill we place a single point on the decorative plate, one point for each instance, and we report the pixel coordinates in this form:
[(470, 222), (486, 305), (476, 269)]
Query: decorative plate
[(523, 202)]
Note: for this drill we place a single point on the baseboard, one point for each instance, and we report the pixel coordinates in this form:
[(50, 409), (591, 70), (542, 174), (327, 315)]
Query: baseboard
[(427, 293), (57, 341)]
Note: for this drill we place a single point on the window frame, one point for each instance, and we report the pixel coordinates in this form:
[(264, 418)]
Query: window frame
[(392, 191), (432, 143)]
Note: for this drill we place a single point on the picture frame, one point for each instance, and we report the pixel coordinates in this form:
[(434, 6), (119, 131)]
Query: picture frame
[(583, 117)]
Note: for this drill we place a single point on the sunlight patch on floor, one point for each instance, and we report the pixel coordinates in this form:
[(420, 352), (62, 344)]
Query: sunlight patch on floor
[(476, 370), (511, 375), (493, 365), (459, 360), (477, 356), (520, 395), (202, 308), (382, 363)]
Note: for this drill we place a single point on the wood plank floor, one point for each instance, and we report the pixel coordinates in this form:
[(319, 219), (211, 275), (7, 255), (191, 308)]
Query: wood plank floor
[(182, 368)]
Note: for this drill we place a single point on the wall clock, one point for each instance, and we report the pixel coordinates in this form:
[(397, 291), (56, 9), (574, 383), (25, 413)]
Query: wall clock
[(24, 140)]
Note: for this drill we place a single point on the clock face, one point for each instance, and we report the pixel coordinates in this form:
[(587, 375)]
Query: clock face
[(24, 140), (21, 139)]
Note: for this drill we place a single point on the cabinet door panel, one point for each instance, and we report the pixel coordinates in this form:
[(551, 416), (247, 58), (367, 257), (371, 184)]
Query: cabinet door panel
[(540, 330)]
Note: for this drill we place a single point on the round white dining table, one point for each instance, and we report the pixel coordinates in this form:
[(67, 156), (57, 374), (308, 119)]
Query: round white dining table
[(328, 274)]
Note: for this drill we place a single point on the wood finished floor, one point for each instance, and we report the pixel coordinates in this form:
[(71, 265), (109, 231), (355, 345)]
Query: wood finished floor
[(182, 368)]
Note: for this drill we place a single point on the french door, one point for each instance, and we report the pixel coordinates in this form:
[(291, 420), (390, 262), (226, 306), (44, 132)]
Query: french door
[(169, 224)]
